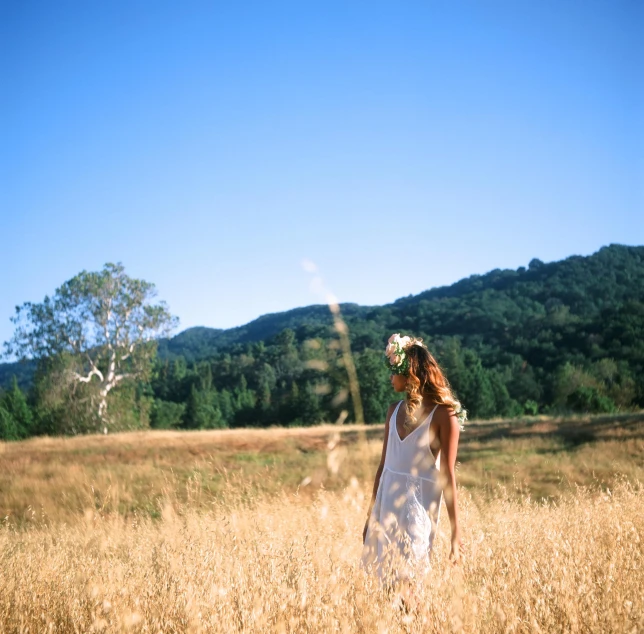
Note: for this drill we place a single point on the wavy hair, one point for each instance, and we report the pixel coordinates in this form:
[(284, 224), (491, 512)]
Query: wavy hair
[(427, 381)]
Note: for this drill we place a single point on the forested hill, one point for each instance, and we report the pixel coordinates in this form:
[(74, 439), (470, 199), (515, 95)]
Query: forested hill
[(557, 337), (200, 342), (492, 309), (481, 308)]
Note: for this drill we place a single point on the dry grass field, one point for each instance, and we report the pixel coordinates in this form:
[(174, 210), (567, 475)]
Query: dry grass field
[(259, 531)]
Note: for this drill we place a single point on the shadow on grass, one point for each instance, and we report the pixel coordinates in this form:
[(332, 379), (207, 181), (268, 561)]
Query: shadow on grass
[(567, 434)]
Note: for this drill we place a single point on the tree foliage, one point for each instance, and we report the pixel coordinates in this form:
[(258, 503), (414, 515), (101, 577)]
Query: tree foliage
[(553, 338), (98, 330)]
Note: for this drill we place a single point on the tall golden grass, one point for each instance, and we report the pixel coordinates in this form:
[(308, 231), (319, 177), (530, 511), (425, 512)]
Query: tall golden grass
[(251, 556), (289, 565), (56, 479)]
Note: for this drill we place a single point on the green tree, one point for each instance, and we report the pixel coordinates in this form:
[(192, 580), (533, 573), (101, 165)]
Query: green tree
[(224, 402), (504, 404), (375, 387), (166, 415), (200, 412), (308, 407), (8, 427), (244, 404), (476, 388), (61, 405), (580, 391), (14, 404), (104, 322)]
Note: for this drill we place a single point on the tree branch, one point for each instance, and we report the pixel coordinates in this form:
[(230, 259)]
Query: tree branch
[(88, 378)]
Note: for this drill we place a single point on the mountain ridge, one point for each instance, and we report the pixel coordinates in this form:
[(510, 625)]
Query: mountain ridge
[(496, 280), (496, 302)]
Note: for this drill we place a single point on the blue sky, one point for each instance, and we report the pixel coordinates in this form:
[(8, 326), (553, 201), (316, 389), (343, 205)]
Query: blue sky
[(211, 147)]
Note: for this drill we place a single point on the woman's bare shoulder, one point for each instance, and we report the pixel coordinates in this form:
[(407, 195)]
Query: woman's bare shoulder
[(445, 416)]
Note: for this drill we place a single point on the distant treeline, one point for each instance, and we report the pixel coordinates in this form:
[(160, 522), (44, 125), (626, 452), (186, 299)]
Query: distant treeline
[(553, 338)]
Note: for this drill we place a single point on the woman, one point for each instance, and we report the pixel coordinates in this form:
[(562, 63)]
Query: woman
[(416, 467)]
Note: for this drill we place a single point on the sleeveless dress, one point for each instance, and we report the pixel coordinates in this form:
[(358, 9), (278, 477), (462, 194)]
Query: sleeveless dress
[(404, 518)]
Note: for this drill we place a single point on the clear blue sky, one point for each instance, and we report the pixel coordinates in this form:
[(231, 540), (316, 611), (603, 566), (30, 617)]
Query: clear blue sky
[(212, 146)]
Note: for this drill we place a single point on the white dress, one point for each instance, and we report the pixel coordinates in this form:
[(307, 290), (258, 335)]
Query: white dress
[(403, 521)]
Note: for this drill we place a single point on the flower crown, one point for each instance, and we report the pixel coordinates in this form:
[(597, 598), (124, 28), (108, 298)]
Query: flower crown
[(396, 358)]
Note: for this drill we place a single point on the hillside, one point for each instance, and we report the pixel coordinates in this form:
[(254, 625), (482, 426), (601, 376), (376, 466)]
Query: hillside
[(477, 307), (554, 338)]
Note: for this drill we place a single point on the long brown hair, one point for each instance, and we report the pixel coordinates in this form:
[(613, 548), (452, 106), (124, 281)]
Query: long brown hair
[(427, 381)]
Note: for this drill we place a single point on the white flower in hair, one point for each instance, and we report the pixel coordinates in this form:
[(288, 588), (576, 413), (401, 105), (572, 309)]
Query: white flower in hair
[(395, 356)]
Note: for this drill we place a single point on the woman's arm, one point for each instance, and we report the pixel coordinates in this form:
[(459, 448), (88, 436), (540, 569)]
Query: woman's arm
[(380, 468), (449, 432)]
